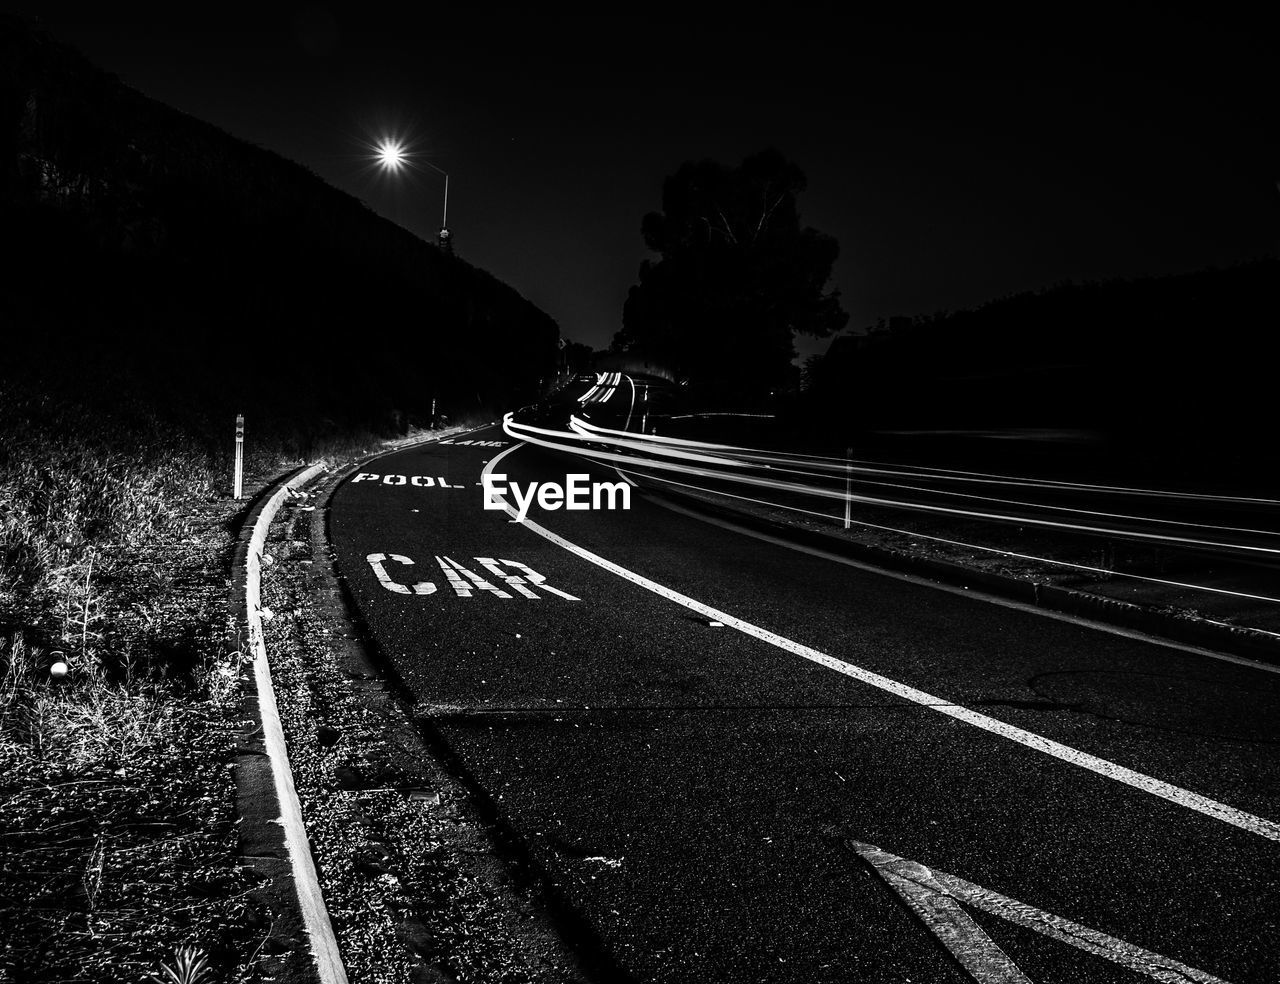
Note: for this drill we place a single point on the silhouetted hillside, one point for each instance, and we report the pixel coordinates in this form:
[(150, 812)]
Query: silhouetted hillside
[(152, 252), (1187, 354)]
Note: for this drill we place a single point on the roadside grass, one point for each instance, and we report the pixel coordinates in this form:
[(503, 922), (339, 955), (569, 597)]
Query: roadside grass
[(117, 832), (117, 835), (118, 850)]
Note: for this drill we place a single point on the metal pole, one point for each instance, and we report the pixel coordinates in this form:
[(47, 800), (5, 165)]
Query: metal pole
[(444, 219), (239, 480), (848, 479)]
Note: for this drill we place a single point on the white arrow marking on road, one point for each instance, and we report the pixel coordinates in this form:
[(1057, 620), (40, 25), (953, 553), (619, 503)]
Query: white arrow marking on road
[(1185, 798), (944, 917), (935, 897)]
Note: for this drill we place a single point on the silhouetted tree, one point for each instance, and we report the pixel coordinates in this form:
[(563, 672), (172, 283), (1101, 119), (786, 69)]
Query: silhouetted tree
[(738, 277), (577, 357)]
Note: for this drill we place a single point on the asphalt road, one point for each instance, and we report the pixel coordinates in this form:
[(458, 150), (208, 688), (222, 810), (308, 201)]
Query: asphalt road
[(708, 799)]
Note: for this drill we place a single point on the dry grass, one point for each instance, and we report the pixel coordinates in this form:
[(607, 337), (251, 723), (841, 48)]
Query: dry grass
[(118, 853), (117, 837), (118, 830)]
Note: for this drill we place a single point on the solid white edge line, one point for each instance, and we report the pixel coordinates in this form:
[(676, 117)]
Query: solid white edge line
[(1184, 798), (306, 882)]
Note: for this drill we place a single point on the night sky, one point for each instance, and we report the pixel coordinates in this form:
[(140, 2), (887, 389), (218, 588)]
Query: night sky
[(954, 161)]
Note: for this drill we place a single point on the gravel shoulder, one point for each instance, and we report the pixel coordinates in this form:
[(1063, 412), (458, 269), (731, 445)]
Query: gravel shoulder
[(418, 883)]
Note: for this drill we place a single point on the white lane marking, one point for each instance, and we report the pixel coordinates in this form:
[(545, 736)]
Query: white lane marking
[(935, 896), (1185, 798), (377, 562)]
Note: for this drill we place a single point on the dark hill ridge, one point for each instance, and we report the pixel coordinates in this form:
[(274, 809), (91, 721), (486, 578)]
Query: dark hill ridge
[(158, 253), (1177, 358)]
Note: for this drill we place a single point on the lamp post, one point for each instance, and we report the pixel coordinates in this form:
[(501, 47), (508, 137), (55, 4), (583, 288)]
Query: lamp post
[(392, 156), (445, 238)]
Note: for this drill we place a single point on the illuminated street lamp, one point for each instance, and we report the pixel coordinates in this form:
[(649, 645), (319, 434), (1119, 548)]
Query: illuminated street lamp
[(393, 157)]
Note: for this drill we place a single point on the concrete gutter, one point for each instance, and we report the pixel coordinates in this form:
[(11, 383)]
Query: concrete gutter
[(273, 836)]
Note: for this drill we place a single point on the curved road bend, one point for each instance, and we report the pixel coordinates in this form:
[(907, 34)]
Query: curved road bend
[(856, 778)]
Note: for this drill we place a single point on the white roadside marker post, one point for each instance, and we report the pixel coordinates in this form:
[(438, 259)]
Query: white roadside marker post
[(239, 479), (848, 473)]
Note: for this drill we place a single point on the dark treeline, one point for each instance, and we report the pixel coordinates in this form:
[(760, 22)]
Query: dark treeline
[(1190, 354), (738, 276), (154, 256)]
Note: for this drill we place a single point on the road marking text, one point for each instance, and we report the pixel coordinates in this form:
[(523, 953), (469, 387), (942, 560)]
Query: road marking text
[(465, 583), (418, 481)]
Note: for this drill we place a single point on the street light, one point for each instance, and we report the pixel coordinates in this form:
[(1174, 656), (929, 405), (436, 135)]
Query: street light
[(393, 157)]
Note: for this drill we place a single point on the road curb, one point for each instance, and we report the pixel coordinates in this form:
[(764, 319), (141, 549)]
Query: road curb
[(1235, 640), (272, 835), (266, 801)]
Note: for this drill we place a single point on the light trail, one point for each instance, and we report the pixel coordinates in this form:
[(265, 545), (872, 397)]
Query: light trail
[(962, 543), (587, 429), (837, 466), (586, 397), (630, 409), (526, 432)]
